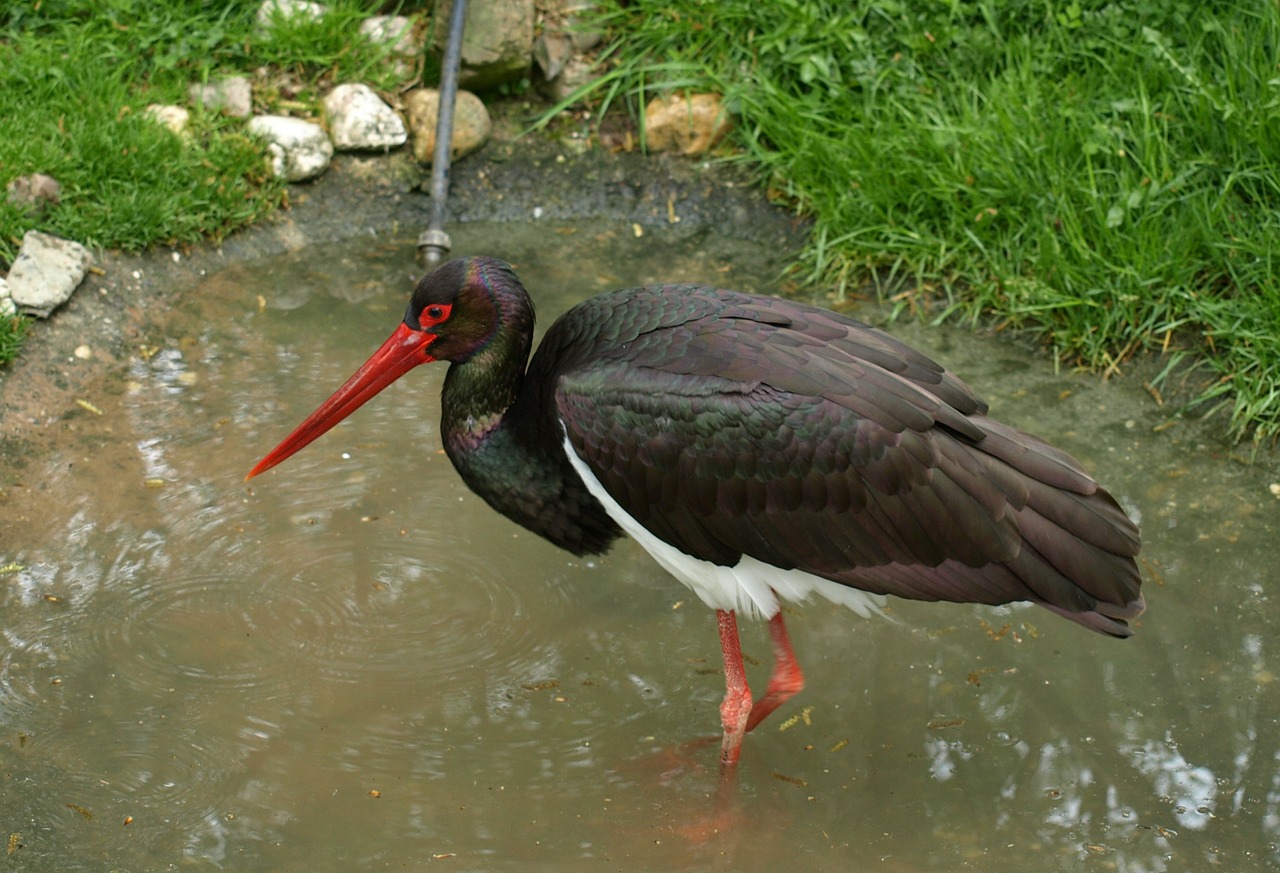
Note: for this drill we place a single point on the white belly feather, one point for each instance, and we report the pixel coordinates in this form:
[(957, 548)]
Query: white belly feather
[(751, 587)]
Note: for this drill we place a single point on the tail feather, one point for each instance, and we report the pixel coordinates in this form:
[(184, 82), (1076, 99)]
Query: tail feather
[(1066, 559)]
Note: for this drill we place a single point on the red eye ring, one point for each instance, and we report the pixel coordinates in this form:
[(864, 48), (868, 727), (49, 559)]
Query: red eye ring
[(435, 314)]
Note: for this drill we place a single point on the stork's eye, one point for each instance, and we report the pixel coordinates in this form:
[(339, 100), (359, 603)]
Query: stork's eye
[(435, 314)]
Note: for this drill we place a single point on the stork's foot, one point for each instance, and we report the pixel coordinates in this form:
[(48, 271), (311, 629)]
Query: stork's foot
[(787, 679), (735, 716), (738, 713), (735, 711)]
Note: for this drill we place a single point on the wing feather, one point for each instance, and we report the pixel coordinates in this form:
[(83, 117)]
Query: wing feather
[(735, 425)]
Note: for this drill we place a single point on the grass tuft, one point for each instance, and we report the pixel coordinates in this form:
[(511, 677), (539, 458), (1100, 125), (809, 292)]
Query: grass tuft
[(1103, 174), (75, 80), (76, 77), (13, 330)]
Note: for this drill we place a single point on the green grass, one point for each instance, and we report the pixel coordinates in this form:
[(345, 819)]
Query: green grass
[(1103, 174), (13, 330), (77, 75)]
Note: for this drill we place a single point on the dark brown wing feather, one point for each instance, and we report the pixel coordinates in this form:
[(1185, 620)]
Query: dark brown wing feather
[(729, 424)]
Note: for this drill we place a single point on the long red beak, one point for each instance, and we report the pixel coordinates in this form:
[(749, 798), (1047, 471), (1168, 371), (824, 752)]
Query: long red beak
[(405, 349)]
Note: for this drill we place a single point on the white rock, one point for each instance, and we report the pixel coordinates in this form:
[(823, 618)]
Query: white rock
[(358, 119), (393, 31), (7, 309), (403, 41), (287, 9), (299, 149), (46, 272), (173, 117), (233, 96)]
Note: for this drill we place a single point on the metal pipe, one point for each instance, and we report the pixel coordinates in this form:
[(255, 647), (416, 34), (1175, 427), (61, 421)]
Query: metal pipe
[(434, 243)]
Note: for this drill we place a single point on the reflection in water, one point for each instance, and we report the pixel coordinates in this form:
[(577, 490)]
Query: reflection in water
[(354, 663)]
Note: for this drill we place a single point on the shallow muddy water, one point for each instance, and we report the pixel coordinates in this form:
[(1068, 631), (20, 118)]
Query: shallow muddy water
[(352, 664)]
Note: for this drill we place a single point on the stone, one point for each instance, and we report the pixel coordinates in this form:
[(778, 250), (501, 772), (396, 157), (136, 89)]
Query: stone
[(299, 149), (563, 36), (690, 124), (583, 39), (552, 50), (576, 74), (559, 47), (359, 119), (393, 31), (471, 123), (271, 10), (35, 194), (46, 272), (232, 96), (400, 37), (7, 307), (173, 117), (497, 40)]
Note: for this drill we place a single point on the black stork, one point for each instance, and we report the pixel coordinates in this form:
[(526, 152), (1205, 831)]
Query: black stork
[(760, 449)]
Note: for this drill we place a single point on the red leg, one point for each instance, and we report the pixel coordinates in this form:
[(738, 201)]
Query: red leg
[(787, 679), (736, 707)]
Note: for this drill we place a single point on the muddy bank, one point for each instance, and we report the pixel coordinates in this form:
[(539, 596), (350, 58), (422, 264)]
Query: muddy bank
[(527, 180)]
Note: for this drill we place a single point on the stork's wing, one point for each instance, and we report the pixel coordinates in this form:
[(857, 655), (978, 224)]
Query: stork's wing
[(807, 440)]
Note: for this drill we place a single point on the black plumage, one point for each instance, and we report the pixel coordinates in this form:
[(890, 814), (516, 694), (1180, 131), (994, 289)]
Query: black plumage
[(729, 424)]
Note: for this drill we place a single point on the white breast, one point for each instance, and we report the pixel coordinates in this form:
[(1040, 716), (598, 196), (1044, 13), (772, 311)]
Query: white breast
[(751, 587)]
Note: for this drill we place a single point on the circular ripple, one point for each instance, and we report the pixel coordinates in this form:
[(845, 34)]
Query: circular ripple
[(379, 612), (182, 633)]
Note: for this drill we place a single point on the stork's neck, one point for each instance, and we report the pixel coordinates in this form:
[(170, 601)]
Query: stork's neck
[(509, 453), (477, 395)]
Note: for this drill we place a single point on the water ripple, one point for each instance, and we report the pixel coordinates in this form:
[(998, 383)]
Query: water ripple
[(196, 631), (384, 614)]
